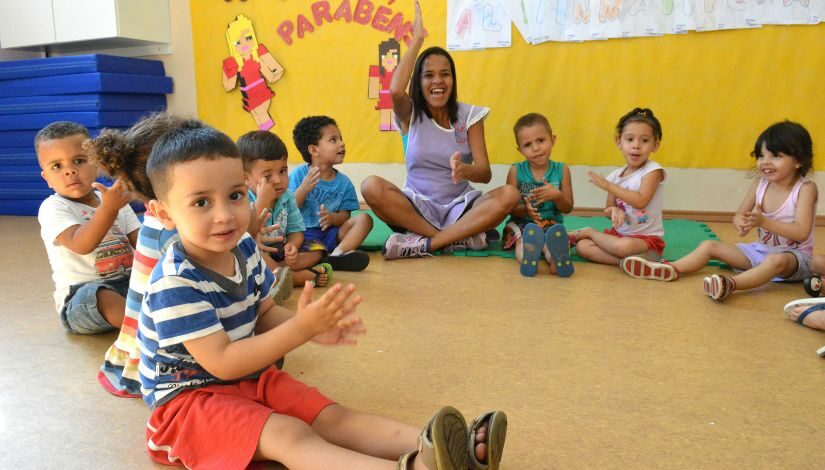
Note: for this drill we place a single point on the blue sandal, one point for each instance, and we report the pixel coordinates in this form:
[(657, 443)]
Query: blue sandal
[(557, 244), (532, 240)]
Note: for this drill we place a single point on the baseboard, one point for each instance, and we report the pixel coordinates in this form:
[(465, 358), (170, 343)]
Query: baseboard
[(699, 216)]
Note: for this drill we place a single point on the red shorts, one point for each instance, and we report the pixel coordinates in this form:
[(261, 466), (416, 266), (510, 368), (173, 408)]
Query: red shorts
[(219, 426), (654, 243)]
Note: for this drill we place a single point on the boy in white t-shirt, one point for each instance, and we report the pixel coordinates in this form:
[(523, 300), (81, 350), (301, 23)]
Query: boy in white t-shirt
[(89, 235)]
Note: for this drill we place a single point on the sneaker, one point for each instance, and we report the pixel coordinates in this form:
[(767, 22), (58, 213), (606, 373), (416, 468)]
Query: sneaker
[(813, 285), (718, 287), (641, 268), (475, 242), (406, 245), (355, 260)]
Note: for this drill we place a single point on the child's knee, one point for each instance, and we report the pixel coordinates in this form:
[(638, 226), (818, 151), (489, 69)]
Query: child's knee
[(781, 263), (365, 220)]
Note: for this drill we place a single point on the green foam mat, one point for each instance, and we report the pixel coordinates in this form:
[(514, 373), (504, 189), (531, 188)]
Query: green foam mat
[(681, 236)]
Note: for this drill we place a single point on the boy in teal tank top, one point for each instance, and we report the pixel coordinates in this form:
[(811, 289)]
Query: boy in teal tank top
[(535, 225)]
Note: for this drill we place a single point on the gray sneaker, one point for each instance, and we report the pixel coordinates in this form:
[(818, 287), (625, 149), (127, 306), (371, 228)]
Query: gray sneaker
[(405, 245), (474, 242)]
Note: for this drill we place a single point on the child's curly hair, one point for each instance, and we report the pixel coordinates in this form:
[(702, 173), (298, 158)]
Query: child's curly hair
[(308, 132), (123, 154)]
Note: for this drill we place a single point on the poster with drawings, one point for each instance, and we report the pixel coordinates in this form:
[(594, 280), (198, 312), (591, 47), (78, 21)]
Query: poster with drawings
[(478, 24)]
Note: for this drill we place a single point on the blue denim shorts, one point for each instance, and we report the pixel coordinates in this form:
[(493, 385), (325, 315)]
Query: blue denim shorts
[(80, 315)]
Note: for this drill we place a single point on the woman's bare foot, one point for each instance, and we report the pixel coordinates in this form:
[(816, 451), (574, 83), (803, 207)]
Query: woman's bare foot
[(815, 319)]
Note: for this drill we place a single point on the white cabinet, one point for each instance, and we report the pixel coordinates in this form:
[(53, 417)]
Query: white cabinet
[(112, 22)]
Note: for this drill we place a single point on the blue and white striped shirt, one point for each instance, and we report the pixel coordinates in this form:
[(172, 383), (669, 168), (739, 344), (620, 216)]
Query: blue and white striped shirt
[(185, 301)]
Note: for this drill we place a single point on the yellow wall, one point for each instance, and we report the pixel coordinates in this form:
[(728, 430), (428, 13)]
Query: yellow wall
[(714, 92)]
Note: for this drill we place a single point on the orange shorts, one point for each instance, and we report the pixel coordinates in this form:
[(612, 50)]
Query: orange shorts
[(219, 426), (654, 243)]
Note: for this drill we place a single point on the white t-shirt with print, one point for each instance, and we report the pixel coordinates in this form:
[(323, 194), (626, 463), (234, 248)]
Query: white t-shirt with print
[(647, 220), (112, 258)]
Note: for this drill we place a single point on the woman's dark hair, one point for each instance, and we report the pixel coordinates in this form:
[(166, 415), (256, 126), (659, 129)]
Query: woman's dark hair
[(640, 115), (417, 94), (124, 154), (790, 138)]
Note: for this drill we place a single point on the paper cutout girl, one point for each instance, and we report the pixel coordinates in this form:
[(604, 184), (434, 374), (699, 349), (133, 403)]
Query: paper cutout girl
[(248, 66), (380, 77)]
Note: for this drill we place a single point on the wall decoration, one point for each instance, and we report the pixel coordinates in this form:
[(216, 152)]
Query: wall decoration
[(389, 53)]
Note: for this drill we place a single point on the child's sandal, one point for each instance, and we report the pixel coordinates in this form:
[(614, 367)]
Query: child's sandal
[(556, 241), (532, 242), (813, 285), (496, 434), (718, 287), (442, 444), (327, 270)]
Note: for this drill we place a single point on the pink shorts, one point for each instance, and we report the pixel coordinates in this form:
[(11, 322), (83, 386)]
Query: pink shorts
[(219, 426), (654, 243)]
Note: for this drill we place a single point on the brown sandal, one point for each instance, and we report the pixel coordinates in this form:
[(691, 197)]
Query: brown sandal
[(442, 444), (496, 434)]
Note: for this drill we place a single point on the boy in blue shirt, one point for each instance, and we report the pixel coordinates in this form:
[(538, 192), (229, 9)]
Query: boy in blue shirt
[(264, 158), (326, 196), (209, 333)]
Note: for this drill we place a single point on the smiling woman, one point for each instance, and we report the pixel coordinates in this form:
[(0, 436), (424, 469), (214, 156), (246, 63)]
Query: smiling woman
[(445, 150)]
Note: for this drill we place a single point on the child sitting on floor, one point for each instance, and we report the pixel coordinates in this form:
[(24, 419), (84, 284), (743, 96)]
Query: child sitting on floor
[(635, 196), (265, 165), (547, 194), (781, 205), (326, 196), (89, 235), (209, 333)]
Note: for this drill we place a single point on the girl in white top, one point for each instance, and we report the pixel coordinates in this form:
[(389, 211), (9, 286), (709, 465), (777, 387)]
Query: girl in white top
[(781, 205), (634, 196)]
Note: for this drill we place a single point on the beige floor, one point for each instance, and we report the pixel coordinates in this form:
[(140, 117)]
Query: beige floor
[(598, 370)]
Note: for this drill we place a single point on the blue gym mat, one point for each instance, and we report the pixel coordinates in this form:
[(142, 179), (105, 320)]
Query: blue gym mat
[(51, 66), (86, 83), (38, 121), (82, 102)]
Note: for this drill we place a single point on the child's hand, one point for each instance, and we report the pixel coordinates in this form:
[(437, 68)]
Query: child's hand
[(265, 240), (290, 255), (459, 168), (265, 193), (753, 218), (616, 216), (598, 180), (546, 192), (345, 334), (311, 179), (418, 31), (531, 211), (328, 312), (324, 218), (740, 224), (115, 197)]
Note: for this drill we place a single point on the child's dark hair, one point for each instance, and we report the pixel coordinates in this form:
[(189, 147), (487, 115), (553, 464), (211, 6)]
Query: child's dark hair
[(59, 130), (260, 145), (790, 138), (124, 154), (383, 49), (417, 94), (190, 141), (531, 119), (640, 115), (308, 132)]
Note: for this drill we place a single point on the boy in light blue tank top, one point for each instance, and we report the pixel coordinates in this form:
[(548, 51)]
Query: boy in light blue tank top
[(535, 225)]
